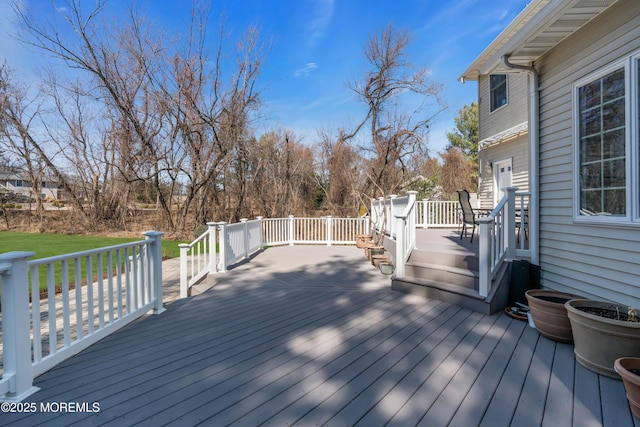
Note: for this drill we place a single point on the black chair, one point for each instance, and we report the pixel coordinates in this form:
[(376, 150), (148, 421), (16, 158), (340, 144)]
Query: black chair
[(468, 216), (522, 222)]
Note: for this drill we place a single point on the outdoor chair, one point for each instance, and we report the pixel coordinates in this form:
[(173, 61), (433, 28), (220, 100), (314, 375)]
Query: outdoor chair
[(468, 216), (522, 222)]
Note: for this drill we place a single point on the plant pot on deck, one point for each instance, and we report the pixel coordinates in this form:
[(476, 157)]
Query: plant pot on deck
[(602, 334), (549, 313), (361, 239), (377, 259), (372, 250), (629, 369), (386, 267)]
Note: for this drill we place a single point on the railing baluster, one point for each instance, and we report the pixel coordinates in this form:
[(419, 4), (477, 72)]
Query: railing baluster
[(35, 314)]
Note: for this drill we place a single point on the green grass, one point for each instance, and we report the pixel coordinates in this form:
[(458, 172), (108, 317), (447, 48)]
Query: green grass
[(47, 245)]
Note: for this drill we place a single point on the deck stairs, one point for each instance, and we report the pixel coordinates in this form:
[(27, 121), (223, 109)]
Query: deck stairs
[(445, 267)]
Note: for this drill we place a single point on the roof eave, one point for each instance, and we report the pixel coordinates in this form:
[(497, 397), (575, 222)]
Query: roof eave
[(518, 40)]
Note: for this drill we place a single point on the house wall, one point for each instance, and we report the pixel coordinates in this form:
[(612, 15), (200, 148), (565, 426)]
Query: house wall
[(511, 114), (490, 123), (600, 262), (517, 150)]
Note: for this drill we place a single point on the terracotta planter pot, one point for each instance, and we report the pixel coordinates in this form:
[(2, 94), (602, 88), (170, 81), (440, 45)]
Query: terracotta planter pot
[(377, 259), (367, 246), (631, 380), (386, 268), (374, 250), (600, 340), (549, 313), (361, 239)]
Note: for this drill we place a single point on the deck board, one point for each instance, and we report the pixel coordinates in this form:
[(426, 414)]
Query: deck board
[(314, 335)]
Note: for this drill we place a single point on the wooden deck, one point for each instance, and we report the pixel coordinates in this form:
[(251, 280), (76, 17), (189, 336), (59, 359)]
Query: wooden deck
[(313, 335)]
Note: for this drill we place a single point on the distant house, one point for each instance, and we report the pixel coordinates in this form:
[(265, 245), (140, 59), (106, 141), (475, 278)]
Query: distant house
[(19, 183), (576, 65)]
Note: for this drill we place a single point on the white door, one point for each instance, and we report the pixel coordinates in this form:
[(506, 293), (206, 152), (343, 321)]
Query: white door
[(501, 179)]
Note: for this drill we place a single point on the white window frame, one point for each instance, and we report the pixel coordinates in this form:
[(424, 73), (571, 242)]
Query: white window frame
[(632, 151), (491, 92)]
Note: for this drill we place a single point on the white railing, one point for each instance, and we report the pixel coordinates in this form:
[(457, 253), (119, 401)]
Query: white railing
[(240, 240), (102, 290), (316, 231), (384, 211), (196, 260), (405, 233), (497, 236), (437, 213)]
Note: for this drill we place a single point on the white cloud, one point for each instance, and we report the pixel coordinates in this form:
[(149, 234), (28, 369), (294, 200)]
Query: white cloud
[(322, 14), (306, 70)]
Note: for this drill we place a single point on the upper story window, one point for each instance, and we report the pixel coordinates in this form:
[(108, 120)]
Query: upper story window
[(498, 90), (606, 180)]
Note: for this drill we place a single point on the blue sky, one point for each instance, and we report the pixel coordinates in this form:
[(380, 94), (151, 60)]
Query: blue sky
[(316, 47)]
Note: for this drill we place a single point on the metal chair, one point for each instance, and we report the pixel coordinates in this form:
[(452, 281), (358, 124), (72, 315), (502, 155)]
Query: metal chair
[(522, 222), (468, 216)]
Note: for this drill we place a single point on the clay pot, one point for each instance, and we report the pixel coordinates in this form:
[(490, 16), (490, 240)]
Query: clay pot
[(600, 339), (631, 380), (361, 239), (549, 313), (377, 259)]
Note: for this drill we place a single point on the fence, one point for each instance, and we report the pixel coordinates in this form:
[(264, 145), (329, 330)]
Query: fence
[(240, 240), (102, 290)]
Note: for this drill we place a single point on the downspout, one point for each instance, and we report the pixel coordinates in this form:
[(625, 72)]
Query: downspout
[(534, 149)]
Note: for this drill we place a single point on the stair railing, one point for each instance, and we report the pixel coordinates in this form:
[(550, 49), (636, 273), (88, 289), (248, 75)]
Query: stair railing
[(405, 233), (497, 239)]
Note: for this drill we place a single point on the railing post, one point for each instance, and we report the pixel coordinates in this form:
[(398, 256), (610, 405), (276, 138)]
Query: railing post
[(392, 214), (155, 249), (511, 222), (484, 243), (223, 246), (261, 220), (329, 230), (245, 236), (213, 226), (400, 248), (410, 221), (16, 339), (381, 214), (291, 230), (184, 277)]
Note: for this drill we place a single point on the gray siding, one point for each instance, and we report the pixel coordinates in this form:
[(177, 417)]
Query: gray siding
[(512, 114), (518, 151), (595, 261)]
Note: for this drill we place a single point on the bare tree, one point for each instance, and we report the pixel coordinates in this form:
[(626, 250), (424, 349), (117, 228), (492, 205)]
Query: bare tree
[(395, 135), (457, 173), (173, 122)]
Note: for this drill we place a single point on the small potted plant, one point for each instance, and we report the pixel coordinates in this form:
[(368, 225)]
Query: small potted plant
[(603, 332), (629, 369)]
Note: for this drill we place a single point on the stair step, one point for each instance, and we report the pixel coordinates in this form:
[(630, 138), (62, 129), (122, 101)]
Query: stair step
[(443, 274), (465, 260)]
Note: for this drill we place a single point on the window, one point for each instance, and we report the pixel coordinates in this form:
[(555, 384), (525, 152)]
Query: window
[(606, 144), (498, 90)]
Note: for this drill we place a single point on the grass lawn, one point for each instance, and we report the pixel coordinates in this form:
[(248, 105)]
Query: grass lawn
[(47, 245)]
